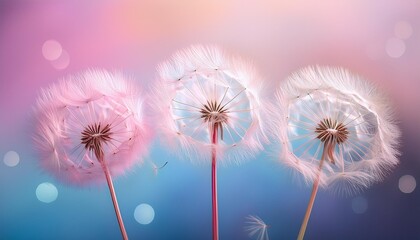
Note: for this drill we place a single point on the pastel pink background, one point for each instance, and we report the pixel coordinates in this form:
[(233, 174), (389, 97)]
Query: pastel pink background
[(280, 37)]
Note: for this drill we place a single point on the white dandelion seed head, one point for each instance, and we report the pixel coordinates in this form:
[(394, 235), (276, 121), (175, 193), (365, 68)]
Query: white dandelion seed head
[(92, 107), (320, 105), (256, 228), (200, 87)]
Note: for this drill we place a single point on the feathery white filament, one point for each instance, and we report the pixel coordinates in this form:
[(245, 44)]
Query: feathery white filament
[(256, 227), (365, 149), (196, 94), (86, 117), (200, 88)]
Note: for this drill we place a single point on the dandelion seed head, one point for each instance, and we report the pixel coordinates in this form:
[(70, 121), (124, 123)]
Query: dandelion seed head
[(201, 88), (322, 106), (256, 228), (88, 117)]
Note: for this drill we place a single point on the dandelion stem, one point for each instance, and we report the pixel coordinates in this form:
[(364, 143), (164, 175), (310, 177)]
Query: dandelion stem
[(313, 194), (114, 198), (215, 218)]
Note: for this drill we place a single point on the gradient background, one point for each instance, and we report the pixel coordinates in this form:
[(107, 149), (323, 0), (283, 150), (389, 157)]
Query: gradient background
[(280, 37)]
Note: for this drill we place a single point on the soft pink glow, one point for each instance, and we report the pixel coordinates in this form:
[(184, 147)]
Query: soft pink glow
[(395, 47), (51, 50), (71, 114), (403, 30), (280, 36), (62, 62)]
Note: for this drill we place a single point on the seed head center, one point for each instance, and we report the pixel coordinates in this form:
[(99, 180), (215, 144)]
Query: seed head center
[(93, 136), (214, 112), (332, 131)]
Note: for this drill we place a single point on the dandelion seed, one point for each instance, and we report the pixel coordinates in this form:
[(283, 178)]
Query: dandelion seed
[(156, 168), (208, 104), (336, 130), (256, 227), (90, 125)]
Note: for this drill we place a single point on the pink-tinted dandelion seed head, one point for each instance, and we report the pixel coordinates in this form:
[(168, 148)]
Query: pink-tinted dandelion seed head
[(96, 114), (323, 106), (201, 88)]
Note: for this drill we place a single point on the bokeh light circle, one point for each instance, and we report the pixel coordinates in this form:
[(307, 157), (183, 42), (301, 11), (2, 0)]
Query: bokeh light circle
[(62, 62), (51, 50), (395, 47), (144, 213), (403, 30), (11, 159), (359, 205), (46, 192), (407, 184)]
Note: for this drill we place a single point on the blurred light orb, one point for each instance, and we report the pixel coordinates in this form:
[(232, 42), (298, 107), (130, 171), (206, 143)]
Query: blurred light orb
[(46, 192), (395, 47), (51, 50), (62, 62), (407, 184), (359, 205), (403, 30), (144, 213), (11, 159)]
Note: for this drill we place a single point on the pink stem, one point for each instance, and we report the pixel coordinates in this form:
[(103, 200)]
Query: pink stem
[(313, 194), (114, 199), (215, 218)]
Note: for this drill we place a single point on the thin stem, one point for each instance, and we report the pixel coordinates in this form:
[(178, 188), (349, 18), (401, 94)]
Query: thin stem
[(114, 198), (313, 195), (215, 218)]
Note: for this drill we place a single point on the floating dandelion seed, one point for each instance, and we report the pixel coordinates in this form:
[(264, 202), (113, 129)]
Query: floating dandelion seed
[(336, 130), (90, 125), (156, 168), (256, 227), (210, 104)]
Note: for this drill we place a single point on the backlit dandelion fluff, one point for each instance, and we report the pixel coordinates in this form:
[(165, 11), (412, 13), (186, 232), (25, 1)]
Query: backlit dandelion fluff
[(336, 130), (89, 125), (207, 104), (256, 227)]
